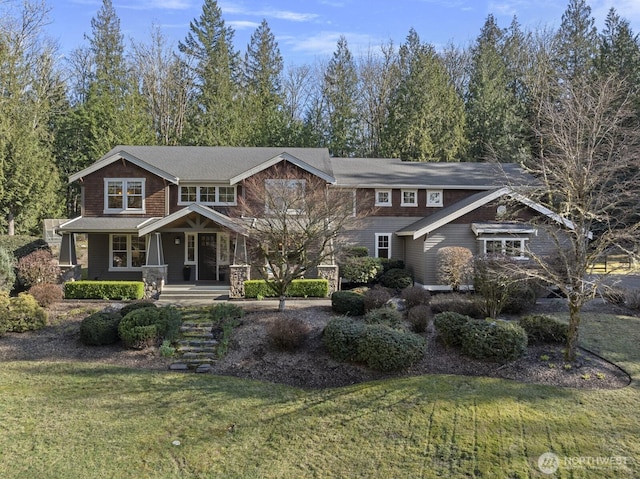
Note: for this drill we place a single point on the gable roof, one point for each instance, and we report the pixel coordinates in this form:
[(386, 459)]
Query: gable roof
[(394, 173), (180, 164), (205, 211)]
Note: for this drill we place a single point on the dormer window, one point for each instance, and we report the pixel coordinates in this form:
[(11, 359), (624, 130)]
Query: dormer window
[(124, 195), (208, 195)]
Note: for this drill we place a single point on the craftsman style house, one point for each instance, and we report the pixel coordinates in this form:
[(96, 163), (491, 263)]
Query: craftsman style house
[(176, 208)]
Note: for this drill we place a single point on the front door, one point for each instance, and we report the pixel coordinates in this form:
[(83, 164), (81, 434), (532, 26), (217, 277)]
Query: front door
[(207, 257)]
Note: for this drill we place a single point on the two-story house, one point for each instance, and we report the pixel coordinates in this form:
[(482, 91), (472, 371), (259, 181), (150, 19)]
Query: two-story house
[(177, 207)]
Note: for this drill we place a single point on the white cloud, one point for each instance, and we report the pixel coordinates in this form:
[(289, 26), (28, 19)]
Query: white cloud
[(325, 42), (242, 24), (627, 9), (235, 8), (156, 5)]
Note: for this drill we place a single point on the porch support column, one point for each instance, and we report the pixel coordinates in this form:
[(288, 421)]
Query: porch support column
[(240, 251), (330, 273), (154, 273), (68, 261), (155, 255)]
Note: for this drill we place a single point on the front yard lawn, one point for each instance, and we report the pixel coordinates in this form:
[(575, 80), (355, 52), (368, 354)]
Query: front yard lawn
[(77, 420)]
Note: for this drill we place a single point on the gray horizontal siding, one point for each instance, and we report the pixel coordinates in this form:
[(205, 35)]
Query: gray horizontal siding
[(363, 233), (99, 260)]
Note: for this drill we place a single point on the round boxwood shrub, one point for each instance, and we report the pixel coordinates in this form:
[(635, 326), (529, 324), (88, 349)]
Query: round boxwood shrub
[(493, 340), (449, 326), (415, 295), (100, 329), (341, 337), (347, 302), (397, 278), (386, 349), (126, 309), (146, 327), (541, 328), (387, 316)]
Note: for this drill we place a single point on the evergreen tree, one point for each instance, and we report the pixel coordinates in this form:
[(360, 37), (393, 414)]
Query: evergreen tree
[(619, 50), (30, 91), (576, 43), (264, 99), (340, 92), (214, 117), (495, 124), (426, 116)]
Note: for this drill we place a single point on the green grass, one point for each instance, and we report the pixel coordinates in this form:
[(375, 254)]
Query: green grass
[(62, 420)]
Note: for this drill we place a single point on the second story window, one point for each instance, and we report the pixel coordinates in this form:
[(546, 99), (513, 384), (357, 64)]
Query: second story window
[(208, 195), (409, 198), (383, 197), (284, 196), (124, 195)]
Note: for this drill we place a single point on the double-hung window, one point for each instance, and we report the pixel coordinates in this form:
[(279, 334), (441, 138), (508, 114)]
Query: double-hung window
[(383, 245), (409, 198), (127, 251), (208, 195), (383, 197), (124, 195)]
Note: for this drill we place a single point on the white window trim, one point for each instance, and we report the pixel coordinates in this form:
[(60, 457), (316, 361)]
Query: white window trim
[(504, 239), (386, 203), (389, 237), (187, 261), (415, 198), (124, 181), (216, 202), (435, 204), (129, 255)]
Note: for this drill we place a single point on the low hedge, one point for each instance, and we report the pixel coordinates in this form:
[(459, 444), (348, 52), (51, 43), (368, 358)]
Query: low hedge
[(347, 302), (494, 340), (104, 290), (396, 278), (449, 326), (146, 327), (100, 329), (386, 349), (299, 288), (544, 329)]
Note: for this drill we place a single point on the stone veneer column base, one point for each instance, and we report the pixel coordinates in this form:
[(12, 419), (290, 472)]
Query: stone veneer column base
[(154, 278), (239, 273), (330, 273), (72, 272)]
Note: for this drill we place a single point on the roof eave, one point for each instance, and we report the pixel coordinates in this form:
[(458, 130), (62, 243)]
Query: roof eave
[(277, 159)]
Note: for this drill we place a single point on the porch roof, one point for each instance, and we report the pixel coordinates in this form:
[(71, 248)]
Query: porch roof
[(111, 224), (223, 220)]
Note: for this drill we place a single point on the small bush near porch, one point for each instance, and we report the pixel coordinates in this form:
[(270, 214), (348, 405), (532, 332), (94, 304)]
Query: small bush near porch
[(299, 288), (120, 290)]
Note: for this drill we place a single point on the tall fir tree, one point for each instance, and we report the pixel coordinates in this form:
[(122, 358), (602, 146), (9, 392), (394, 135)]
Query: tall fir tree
[(31, 91), (619, 51), (215, 114), (426, 119), (495, 124), (265, 115), (340, 92)]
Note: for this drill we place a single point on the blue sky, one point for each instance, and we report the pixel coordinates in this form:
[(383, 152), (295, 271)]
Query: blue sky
[(307, 30)]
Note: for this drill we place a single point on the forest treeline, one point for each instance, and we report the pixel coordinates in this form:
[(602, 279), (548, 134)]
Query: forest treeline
[(476, 102)]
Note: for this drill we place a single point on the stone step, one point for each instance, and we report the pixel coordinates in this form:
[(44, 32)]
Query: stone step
[(197, 342), (184, 350), (199, 356)]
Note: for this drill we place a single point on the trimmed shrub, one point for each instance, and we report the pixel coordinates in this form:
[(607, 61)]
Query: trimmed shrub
[(397, 279), (356, 251), (376, 298), (287, 333), (541, 328), (493, 340), (46, 293), (415, 295), (100, 329), (7, 270), (126, 309), (146, 327), (4, 312), (299, 288), (25, 314), (346, 302), (360, 270), (224, 311), (466, 304), (387, 316), (37, 267), (121, 290), (386, 349), (341, 337), (419, 317), (454, 266), (449, 327), (391, 263)]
